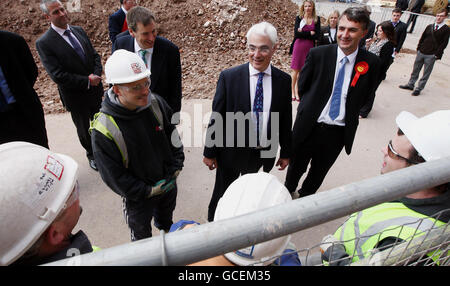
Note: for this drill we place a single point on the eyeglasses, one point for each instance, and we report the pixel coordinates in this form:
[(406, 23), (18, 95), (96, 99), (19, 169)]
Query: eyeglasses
[(262, 49), (396, 156), (137, 87)]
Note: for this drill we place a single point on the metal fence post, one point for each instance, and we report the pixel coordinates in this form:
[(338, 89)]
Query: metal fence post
[(212, 239)]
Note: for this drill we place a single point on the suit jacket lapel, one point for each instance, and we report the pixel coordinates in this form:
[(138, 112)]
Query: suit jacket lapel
[(62, 44), (330, 69), (83, 43), (158, 59), (244, 82)]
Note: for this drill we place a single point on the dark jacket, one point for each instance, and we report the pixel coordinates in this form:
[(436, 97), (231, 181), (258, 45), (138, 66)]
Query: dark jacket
[(79, 244), (152, 157), (386, 58), (305, 35), (233, 97), (315, 86), (325, 37), (115, 24), (21, 72), (369, 35), (68, 71), (400, 32), (434, 42), (415, 6), (402, 4)]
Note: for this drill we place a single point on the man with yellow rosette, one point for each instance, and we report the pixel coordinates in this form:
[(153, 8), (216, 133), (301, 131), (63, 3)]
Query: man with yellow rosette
[(330, 99)]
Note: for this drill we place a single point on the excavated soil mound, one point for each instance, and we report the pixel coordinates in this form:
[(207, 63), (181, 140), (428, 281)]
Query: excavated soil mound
[(210, 35)]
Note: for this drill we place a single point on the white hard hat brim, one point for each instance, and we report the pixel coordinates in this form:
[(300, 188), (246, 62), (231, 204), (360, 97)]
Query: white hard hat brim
[(429, 135), (36, 213)]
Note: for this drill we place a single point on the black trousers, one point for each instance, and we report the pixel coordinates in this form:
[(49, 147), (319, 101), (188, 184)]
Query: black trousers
[(411, 20), (17, 124), (81, 120), (231, 163), (321, 149), (138, 215)]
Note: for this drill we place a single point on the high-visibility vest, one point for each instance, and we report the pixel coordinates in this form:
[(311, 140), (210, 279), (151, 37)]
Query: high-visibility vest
[(365, 229), (105, 124)]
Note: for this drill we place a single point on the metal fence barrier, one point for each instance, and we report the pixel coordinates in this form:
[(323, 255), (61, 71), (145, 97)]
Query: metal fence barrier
[(216, 238), (378, 15)]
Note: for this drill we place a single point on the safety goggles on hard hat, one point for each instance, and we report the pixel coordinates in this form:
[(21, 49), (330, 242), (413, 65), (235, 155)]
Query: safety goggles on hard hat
[(396, 156), (137, 87)]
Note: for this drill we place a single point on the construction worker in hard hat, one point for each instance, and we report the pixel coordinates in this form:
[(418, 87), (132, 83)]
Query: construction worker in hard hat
[(39, 206), (417, 140), (249, 193), (138, 150)]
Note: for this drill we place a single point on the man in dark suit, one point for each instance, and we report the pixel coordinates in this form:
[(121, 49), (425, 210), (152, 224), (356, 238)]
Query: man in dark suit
[(370, 29), (399, 28), (331, 97), (117, 22), (73, 64), (160, 55), (21, 113), (252, 115), (401, 4), (415, 6)]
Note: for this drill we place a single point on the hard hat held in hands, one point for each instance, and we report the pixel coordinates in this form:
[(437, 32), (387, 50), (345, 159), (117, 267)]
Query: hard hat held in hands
[(249, 193), (430, 134), (125, 67), (35, 184)]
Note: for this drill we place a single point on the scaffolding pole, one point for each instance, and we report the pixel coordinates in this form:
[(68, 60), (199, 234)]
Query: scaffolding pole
[(215, 238)]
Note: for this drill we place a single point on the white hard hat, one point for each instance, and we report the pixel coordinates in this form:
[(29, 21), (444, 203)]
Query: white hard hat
[(249, 193), (35, 184), (124, 67), (430, 135)]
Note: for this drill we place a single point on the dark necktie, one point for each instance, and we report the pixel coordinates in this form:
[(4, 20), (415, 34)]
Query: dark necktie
[(335, 104), (435, 27), (258, 103), (75, 45)]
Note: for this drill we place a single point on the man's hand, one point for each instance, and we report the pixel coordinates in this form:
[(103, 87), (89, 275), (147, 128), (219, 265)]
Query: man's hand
[(283, 163), (210, 162), (94, 79), (157, 189)]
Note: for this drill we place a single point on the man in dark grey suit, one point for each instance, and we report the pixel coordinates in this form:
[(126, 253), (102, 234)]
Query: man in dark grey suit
[(73, 64), (252, 116), (334, 84), (160, 55)]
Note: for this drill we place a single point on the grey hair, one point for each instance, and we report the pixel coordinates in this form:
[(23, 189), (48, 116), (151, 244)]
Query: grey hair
[(44, 4), (264, 29)]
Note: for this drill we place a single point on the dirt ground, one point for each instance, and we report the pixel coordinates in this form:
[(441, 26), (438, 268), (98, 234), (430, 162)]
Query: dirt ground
[(210, 35)]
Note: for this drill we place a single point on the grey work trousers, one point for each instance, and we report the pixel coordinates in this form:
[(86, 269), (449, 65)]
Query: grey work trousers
[(422, 60)]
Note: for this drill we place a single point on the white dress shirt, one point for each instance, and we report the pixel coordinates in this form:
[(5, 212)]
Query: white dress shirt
[(267, 98), (148, 55), (340, 120)]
